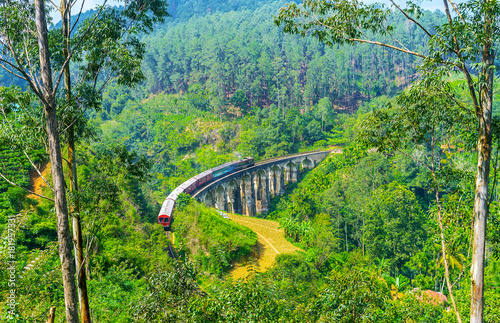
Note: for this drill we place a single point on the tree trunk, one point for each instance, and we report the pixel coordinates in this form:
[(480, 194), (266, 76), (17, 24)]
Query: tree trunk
[(482, 181), (77, 227), (63, 233), (52, 315), (338, 228), (346, 243), (77, 235)]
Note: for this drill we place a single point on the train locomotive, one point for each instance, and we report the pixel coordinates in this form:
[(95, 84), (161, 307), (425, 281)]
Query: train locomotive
[(192, 184)]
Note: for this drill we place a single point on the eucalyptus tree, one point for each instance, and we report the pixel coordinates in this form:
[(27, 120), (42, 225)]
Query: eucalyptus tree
[(112, 51), (103, 47), (466, 42)]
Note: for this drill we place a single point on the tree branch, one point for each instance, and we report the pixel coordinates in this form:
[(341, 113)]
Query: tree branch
[(59, 78), (443, 247), (37, 170), (384, 45), (395, 39), (78, 17), (455, 8), (55, 5), (31, 82), (463, 67), (411, 19), (11, 71), (494, 177), (29, 191), (371, 41)]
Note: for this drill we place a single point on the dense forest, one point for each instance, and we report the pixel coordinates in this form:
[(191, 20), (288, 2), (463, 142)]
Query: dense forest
[(249, 62), (218, 81)]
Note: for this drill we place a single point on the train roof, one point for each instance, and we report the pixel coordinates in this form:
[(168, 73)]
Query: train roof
[(188, 183), (175, 193), (205, 173), (222, 166), (167, 207)]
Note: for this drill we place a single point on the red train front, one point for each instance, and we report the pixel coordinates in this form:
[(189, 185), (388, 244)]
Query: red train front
[(164, 218)]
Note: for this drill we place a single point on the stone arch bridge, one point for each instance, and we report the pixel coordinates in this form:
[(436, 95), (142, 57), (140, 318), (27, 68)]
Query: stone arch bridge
[(249, 190)]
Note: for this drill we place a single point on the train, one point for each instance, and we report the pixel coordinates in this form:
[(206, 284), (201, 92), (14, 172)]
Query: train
[(191, 185)]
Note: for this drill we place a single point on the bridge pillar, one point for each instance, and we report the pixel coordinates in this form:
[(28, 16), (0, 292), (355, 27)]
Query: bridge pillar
[(243, 201), (208, 199), (264, 203), (261, 192), (258, 192), (232, 197), (294, 171), (272, 183), (286, 173), (290, 172), (280, 185), (230, 202), (220, 198), (249, 196)]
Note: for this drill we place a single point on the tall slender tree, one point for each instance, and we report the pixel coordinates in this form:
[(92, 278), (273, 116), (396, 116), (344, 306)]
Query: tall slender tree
[(108, 42)]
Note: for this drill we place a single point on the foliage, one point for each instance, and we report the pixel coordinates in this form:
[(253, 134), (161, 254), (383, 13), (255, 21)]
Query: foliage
[(351, 296), (394, 224), (170, 290), (364, 218), (182, 201)]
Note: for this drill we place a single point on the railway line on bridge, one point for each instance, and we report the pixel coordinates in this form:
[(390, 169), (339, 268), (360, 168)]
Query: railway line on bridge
[(245, 187), (242, 187), (248, 191)]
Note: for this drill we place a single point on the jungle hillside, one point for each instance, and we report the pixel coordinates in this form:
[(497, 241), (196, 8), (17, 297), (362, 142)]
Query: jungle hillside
[(105, 112)]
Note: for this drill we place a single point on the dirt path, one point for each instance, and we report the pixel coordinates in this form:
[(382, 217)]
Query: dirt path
[(271, 242)]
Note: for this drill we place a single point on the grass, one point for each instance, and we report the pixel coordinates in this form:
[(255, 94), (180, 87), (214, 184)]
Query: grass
[(202, 234)]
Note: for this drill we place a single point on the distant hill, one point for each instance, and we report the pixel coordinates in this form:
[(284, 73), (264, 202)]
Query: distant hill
[(190, 8), (232, 46), (83, 16), (242, 52)]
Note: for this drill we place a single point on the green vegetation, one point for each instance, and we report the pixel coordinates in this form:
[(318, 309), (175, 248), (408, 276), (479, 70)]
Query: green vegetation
[(16, 168), (183, 140), (206, 237), (122, 247)]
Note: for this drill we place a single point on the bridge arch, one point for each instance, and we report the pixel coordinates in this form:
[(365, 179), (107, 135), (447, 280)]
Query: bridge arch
[(247, 195), (276, 181), (261, 192), (249, 190), (307, 163), (209, 199), (291, 172)]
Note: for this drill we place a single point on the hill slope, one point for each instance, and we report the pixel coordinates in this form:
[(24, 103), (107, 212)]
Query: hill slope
[(271, 242)]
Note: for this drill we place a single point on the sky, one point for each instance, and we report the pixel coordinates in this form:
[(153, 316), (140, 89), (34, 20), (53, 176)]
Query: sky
[(431, 5), (87, 5)]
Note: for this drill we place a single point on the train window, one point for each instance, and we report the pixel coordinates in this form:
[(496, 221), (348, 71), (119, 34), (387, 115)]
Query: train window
[(160, 220), (166, 220)]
